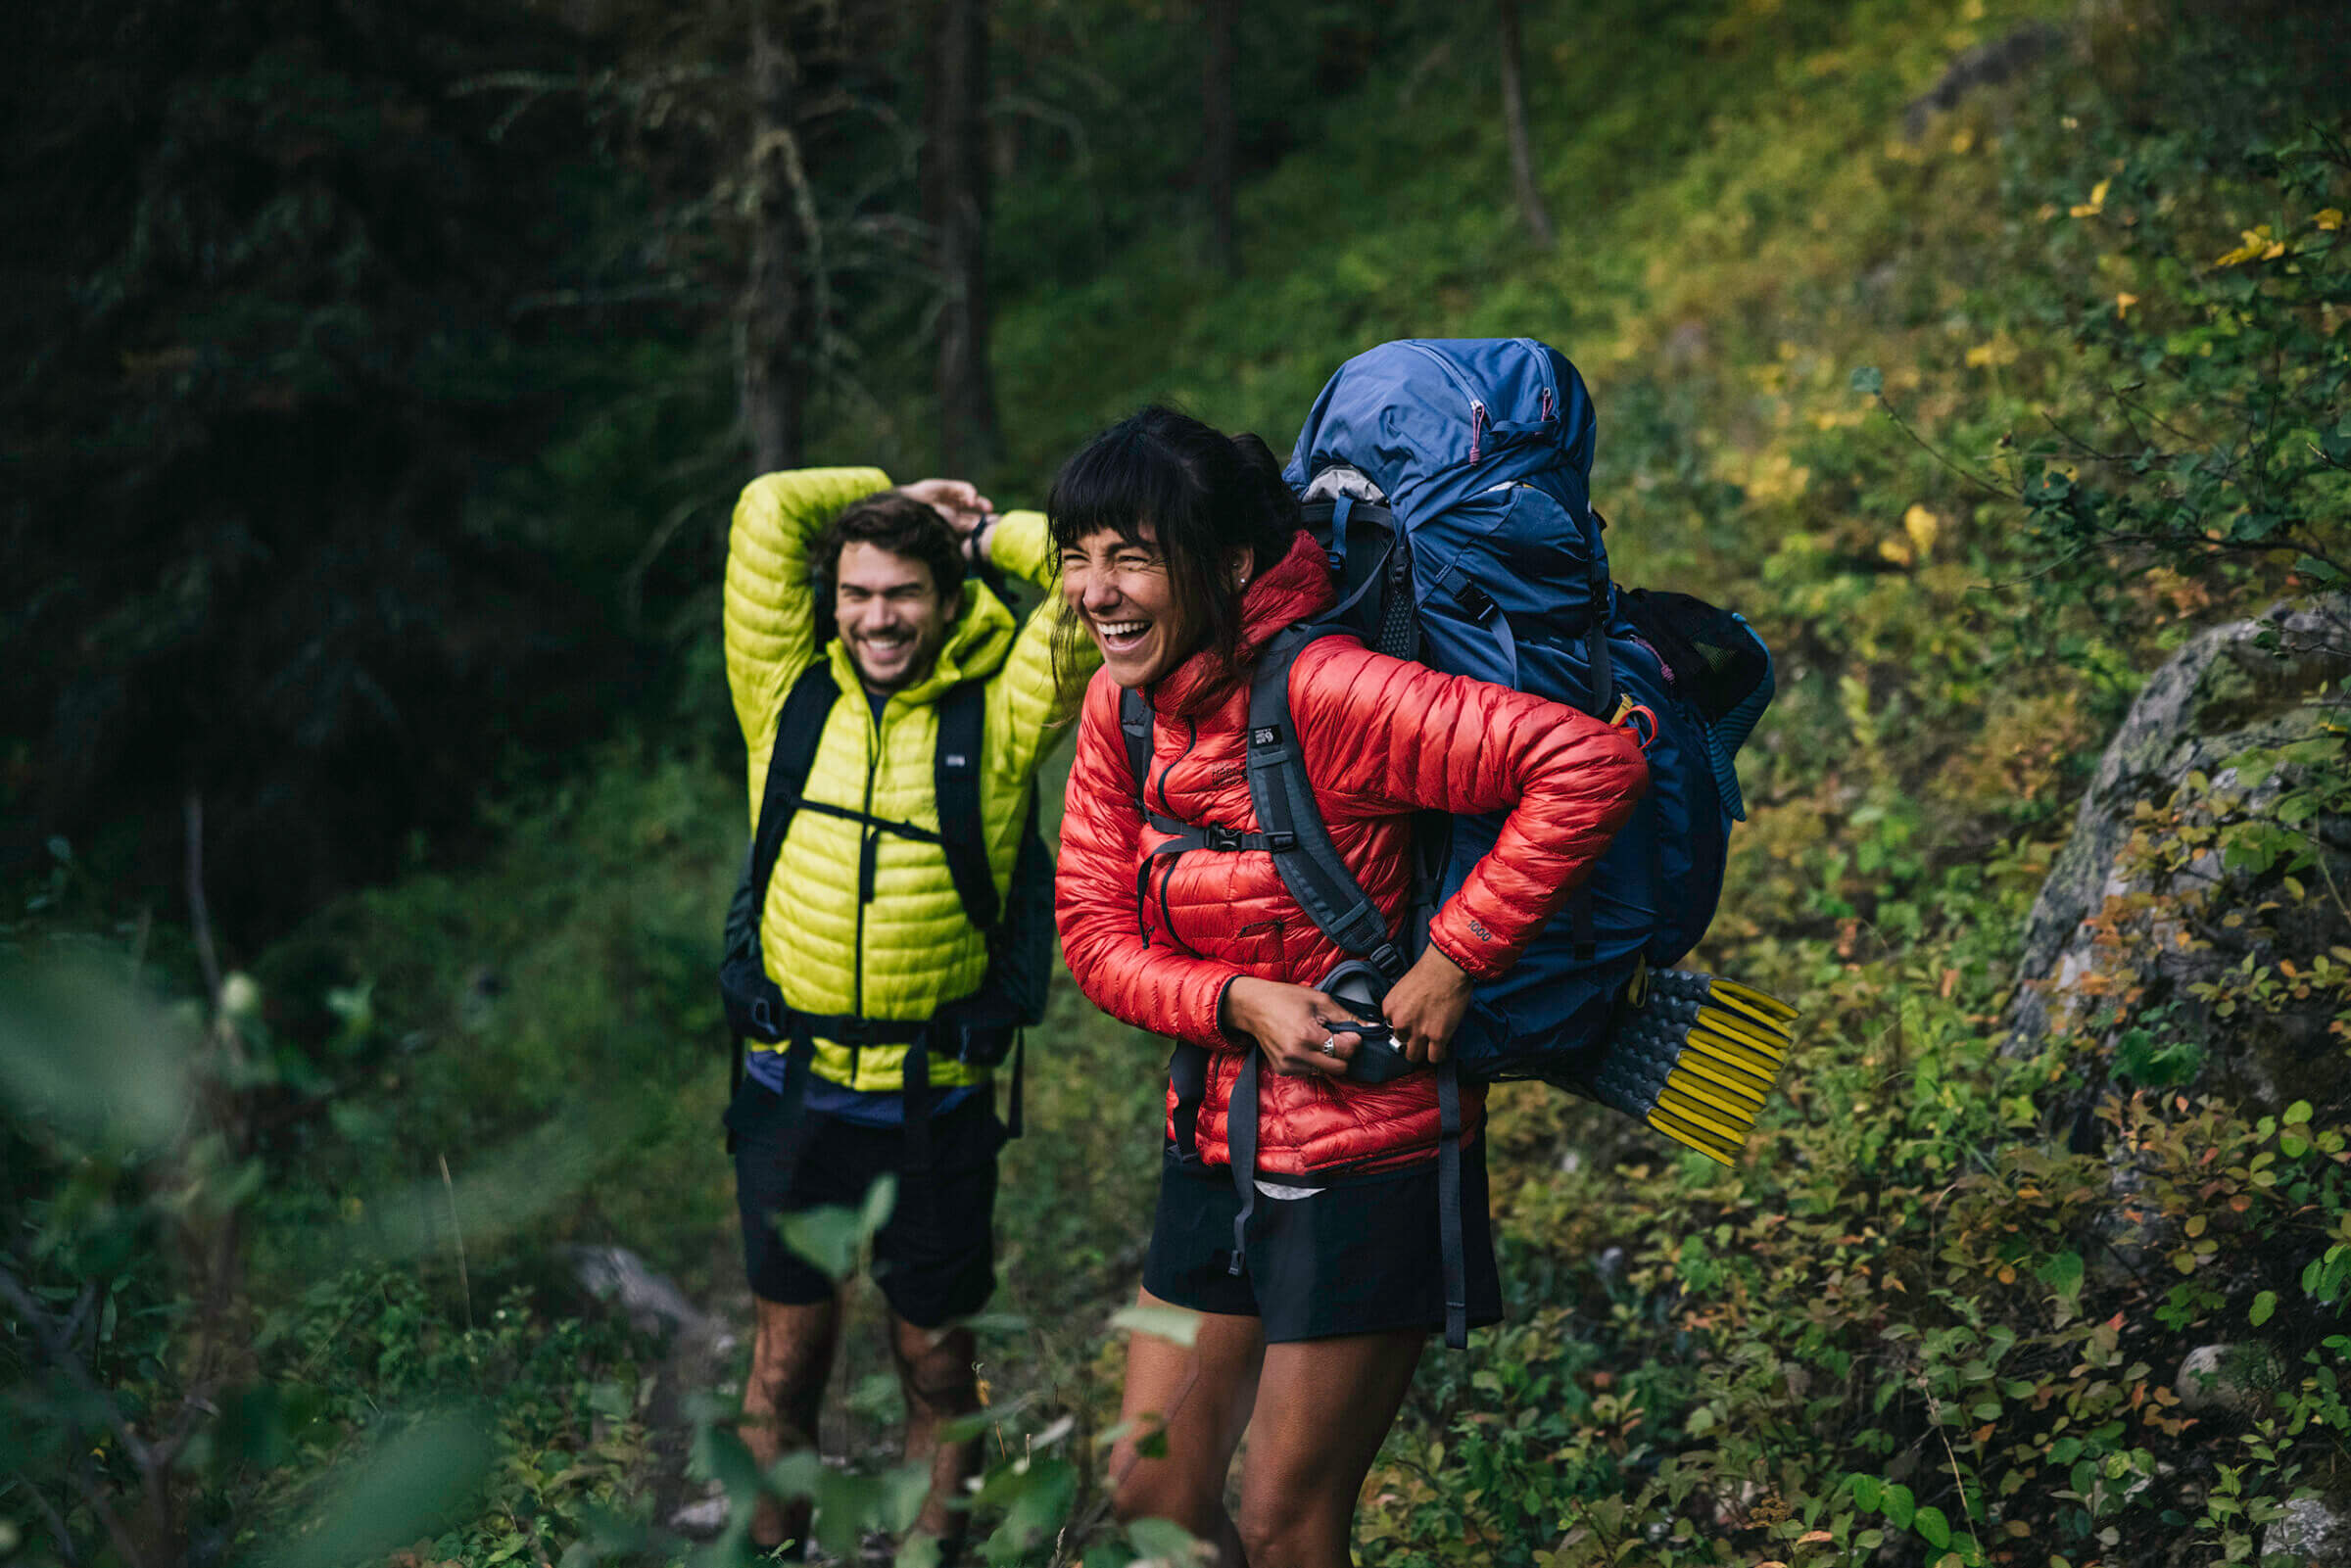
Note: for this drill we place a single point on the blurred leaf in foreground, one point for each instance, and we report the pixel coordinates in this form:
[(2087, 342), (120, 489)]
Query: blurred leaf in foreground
[(83, 1050), (400, 1491)]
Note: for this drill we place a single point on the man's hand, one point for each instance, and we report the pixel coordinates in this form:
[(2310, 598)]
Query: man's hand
[(960, 502), (1289, 1024), (1427, 1005)]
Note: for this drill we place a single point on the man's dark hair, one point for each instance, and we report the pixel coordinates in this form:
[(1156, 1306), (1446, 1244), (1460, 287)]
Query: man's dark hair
[(898, 524), (1203, 493)]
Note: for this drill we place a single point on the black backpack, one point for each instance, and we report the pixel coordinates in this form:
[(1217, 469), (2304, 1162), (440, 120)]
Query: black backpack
[(978, 1030)]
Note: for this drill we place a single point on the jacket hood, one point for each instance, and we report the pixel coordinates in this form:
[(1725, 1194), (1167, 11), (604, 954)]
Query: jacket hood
[(976, 647), (1296, 589)]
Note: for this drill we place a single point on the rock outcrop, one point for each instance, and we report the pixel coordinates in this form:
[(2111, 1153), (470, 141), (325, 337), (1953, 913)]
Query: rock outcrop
[(2161, 901)]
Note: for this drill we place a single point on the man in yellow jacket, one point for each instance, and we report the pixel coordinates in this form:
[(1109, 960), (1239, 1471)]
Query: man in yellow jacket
[(863, 931)]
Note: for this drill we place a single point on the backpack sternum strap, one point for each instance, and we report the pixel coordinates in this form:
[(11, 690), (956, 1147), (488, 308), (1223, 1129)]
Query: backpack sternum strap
[(1293, 832)]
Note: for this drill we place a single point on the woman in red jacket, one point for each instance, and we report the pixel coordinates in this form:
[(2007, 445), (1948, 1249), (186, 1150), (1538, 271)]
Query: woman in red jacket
[(1182, 556)]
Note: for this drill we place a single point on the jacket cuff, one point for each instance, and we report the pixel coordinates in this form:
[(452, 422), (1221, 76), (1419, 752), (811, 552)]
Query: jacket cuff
[(1477, 964), (1217, 1037)]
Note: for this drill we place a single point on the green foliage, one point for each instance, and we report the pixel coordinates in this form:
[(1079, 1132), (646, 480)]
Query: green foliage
[(1938, 1314)]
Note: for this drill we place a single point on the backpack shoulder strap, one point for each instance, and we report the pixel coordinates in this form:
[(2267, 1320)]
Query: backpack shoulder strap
[(955, 775), (1298, 838), (1135, 725), (799, 730)]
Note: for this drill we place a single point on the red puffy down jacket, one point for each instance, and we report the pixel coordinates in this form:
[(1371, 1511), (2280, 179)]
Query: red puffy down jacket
[(1382, 738)]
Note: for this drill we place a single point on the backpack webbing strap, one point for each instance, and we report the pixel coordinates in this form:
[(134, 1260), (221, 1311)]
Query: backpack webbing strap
[(1448, 1205), (1284, 800), (1601, 665), (1135, 723), (1012, 1101), (1240, 1147), (915, 1077), (799, 730), (955, 775)]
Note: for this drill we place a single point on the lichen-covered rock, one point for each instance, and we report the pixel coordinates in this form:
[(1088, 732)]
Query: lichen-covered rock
[(2176, 939), (2315, 1532), (2228, 1379)]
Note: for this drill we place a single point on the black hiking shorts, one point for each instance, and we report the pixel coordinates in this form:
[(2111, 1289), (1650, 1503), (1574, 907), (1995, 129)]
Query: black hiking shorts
[(1328, 1256), (936, 1258)]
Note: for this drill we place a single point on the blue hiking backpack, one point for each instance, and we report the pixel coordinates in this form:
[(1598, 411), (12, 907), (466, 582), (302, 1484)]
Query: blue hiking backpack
[(1450, 481)]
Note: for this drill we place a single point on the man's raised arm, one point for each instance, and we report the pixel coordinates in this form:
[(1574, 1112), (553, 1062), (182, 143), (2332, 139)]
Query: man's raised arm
[(770, 606)]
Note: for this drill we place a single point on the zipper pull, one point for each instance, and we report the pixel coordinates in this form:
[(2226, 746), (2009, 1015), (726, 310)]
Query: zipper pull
[(1478, 428)]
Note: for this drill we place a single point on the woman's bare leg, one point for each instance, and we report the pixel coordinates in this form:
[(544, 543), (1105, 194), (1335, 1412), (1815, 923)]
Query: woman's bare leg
[(1203, 1394), (1323, 1407)]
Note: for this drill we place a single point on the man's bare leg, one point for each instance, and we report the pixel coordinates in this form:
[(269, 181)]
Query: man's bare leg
[(792, 1356), (935, 1373)]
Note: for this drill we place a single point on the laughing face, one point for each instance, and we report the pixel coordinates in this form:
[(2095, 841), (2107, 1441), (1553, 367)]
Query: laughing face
[(892, 616), (1120, 589)]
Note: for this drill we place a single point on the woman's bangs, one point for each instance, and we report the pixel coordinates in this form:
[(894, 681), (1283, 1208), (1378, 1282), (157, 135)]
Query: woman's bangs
[(1121, 483)]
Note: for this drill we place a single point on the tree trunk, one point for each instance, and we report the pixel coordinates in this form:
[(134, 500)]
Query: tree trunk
[(1514, 117), (770, 372), (956, 196), (1217, 133)]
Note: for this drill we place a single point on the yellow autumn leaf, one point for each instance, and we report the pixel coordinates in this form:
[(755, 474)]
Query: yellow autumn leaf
[(1813, 1538), (2330, 218), (1964, 140), (2097, 200), (2122, 303), (2258, 246), (1922, 526), (1895, 551), (2000, 350)]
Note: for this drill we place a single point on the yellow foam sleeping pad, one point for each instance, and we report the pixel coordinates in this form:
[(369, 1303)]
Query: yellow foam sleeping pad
[(1694, 1056)]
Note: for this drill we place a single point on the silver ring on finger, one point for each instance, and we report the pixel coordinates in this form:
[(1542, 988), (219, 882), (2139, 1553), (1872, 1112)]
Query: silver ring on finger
[(1329, 1045)]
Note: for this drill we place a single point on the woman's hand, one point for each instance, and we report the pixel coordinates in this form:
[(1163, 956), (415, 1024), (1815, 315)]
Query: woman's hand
[(1427, 1005), (1289, 1024), (960, 502)]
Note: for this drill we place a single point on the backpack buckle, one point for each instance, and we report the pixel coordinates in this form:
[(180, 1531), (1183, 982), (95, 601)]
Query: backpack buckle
[(1224, 840), (1281, 844), (1477, 601)]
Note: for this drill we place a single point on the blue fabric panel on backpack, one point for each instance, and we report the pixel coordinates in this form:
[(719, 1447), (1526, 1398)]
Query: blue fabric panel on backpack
[(1410, 414)]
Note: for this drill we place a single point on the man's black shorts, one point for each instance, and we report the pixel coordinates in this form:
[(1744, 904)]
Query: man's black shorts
[(934, 1260)]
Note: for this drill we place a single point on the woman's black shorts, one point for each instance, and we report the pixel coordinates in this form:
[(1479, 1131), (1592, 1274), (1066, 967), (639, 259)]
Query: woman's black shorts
[(935, 1257), (1351, 1254)]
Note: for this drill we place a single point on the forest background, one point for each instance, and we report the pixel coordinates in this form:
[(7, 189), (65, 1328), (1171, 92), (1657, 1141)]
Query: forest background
[(368, 796)]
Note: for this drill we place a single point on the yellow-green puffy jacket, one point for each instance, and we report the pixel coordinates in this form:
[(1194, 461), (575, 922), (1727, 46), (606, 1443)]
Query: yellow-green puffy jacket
[(911, 948)]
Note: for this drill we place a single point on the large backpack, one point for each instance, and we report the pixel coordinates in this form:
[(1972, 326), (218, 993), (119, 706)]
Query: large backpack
[(1449, 482), (979, 1029)]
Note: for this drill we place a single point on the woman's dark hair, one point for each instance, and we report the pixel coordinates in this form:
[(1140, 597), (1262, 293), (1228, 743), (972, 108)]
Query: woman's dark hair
[(898, 524), (1205, 495)]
